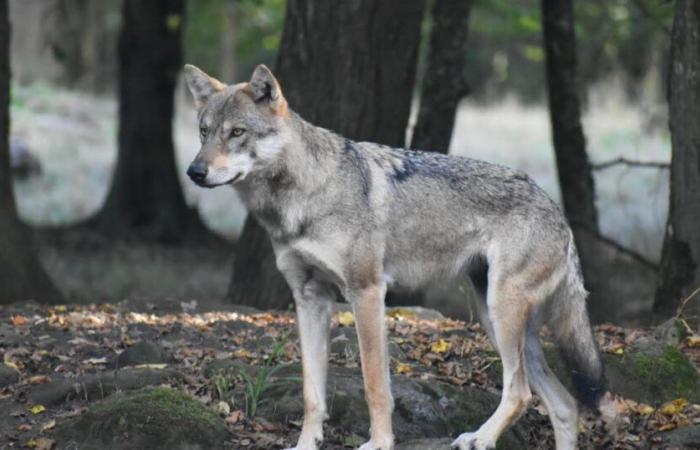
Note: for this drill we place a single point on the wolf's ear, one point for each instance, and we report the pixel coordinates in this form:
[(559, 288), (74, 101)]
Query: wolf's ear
[(265, 89), (201, 85)]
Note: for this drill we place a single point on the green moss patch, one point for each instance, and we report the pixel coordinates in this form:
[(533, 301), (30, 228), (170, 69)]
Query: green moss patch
[(154, 418), (653, 376)]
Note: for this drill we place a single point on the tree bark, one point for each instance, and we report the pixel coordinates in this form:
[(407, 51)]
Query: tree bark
[(573, 166), (348, 66), (21, 275), (146, 200), (444, 81), (680, 261), (228, 45)]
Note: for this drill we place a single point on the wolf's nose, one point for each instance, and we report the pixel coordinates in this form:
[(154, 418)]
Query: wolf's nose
[(197, 171)]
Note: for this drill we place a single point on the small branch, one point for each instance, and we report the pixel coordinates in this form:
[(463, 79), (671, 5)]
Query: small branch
[(643, 260), (685, 301), (630, 163)]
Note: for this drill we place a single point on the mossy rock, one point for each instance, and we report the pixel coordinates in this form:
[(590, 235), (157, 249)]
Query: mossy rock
[(423, 408), (151, 418), (8, 375), (652, 373)]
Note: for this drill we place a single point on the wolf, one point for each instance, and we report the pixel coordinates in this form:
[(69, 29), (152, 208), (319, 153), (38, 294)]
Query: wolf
[(351, 219)]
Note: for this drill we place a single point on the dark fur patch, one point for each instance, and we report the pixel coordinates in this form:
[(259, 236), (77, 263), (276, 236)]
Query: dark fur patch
[(478, 274), (360, 163)]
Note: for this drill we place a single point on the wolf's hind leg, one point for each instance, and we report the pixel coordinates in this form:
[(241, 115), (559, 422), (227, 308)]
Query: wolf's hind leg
[(508, 311), (314, 307), (561, 406)]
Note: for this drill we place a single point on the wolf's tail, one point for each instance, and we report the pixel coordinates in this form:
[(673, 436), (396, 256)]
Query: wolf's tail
[(572, 330)]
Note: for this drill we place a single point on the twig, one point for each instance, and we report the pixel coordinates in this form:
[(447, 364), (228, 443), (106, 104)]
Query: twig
[(686, 300), (643, 260), (629, 162)]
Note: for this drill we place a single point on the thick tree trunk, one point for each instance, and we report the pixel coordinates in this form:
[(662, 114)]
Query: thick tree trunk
[(573, 167), (21, 275), (348, 66), (146, 200), (444, 81), (228, 45), (680, 261)]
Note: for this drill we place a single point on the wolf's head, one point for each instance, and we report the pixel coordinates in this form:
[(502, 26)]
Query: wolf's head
[(241, 127)]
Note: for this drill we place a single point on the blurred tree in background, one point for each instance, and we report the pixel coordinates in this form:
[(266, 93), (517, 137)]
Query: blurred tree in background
[(680, 263), (21, 275), (146, 199), (337, 74)]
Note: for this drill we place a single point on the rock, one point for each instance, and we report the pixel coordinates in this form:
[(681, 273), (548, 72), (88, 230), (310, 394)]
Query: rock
[(671, 332), (423, 408), (151, 418), (100, 385), (8, 375), (218, 366), (687, 437), (651, 373), (344, 344), (143, 352), (425, 444)]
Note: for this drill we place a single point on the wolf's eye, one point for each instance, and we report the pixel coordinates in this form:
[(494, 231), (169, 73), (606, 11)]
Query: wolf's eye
[(236, 132), (203, 132)]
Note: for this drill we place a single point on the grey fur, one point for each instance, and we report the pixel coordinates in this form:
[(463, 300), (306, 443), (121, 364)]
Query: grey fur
[(351, 218)]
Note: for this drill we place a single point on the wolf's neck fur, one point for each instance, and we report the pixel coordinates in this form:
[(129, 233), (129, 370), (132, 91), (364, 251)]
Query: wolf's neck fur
[(307, 164)]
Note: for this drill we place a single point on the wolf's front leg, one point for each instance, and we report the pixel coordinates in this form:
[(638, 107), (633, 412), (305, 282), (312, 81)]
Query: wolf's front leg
[(314, 307), (368, 306)]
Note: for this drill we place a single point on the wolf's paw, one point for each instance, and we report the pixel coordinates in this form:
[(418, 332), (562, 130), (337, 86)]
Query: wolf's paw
[(379, 444), (309, 441), (471, 441)]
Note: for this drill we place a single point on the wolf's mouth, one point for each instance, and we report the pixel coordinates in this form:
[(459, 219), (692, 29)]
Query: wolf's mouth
[(235, 178)]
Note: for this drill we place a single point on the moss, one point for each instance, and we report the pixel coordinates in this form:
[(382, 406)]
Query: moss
[(671, 372), (150, 418)]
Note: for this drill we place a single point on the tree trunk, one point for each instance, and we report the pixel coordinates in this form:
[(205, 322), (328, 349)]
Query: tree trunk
[(680, 261), (573, 167), (348, 66), (444, 81), (228, 46), (21, 275), (146, 200)]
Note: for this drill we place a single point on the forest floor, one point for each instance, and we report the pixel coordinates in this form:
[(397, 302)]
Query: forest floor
[(62, 359)]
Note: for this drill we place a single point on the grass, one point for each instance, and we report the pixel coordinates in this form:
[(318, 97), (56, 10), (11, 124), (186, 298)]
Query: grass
[(255, 387)]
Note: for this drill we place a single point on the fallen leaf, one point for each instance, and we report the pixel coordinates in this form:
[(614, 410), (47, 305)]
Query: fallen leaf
[(673, 407), (151, 366), (223, 409), (235, 416), (24, 427), (39, 379), (50, 425), (441, 346), (18, 320), (96, 361), (693, 341), (346, 318), (43, 443), (398, 313), (37, 409), (403, 368)]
